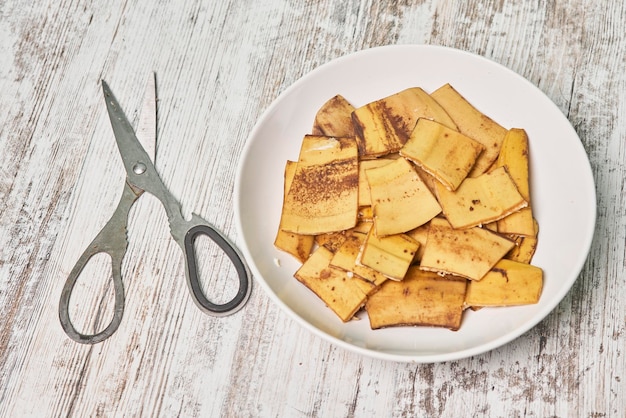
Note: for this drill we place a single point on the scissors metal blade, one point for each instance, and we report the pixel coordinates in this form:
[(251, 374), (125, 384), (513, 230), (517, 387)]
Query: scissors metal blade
[(147, 125), (140, 170), (135, 158)]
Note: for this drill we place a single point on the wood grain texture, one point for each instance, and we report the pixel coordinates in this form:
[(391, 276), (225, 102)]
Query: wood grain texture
[(219, 65)]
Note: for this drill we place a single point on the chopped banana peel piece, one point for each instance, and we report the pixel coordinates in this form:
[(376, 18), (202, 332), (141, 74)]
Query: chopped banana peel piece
[(401, 201), (525, 247), (468, 253), (517, 223), (346, 256), (364, 187), (342, 294), (390, 256), (383, 126), (375, 133), (334, 118), (508, 283), (422, 298), (471, 122), (514, 157), (444, 153), (481, 200), (323, 196), (297, 245)]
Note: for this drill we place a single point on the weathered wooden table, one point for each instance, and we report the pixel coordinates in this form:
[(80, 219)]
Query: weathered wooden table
[(219, 65)]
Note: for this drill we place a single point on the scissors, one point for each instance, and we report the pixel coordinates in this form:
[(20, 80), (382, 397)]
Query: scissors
[(141, 176)]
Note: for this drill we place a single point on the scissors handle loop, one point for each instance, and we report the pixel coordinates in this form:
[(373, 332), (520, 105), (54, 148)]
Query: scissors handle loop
[(193, 279), (118, 311), (111, 240)]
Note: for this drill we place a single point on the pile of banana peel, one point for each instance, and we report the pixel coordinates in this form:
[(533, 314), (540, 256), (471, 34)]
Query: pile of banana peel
[(414, 207)]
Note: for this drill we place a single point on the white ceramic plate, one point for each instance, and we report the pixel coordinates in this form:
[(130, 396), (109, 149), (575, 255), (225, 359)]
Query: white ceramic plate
[(562, 188)]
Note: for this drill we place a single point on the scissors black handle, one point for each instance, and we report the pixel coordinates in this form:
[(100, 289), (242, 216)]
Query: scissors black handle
[(193, 279)]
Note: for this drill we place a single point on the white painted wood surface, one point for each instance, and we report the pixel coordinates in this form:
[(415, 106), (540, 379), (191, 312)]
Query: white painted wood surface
[(219, 65)]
